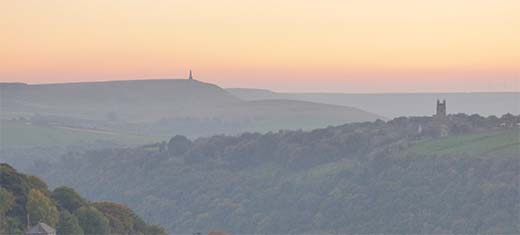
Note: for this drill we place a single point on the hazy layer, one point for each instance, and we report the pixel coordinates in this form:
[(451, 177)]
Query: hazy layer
[(165, 107), (349, 46), (394, 105)]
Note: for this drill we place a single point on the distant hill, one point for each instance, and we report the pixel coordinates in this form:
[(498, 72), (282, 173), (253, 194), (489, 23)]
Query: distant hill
[(164, 107), (401, 104), (136, 100), (254, 94)]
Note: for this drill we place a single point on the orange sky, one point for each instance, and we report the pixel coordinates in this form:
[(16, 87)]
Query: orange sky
[(288, 45)]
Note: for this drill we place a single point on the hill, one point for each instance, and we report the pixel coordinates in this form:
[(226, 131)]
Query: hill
[(26, 198), (23, 143), (395, 104), (488, 143), (17, 134), (399, 177), (135, 100), (157, 107), (44, 121)]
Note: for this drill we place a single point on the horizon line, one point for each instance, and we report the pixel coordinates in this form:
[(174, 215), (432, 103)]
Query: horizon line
[(259, 88)]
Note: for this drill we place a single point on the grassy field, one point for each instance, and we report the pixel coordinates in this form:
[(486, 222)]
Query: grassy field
[(22, 135), (506, 142)]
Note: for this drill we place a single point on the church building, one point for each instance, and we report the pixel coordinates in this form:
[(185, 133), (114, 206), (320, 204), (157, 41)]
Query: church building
[(441, 109)]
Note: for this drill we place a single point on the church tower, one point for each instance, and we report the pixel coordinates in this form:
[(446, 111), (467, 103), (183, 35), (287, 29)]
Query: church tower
[(441, 109), (440, 119), (191, 76)]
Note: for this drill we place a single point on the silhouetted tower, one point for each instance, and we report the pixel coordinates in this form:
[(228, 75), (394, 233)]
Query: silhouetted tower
[(191, 76), (441, 109)]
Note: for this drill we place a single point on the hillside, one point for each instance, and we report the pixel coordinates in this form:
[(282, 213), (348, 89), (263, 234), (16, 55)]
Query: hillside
[(17, 134), (24, 197), (23, 143), (377, 177), (488, 143), (395, 104), (158, 107), (135, 100), (44, 121)]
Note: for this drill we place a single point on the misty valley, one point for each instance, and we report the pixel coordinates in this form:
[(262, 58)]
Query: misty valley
[(188, 157), (259, 117)]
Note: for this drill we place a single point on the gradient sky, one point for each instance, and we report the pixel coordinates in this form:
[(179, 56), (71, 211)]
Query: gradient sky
[(284, 45)]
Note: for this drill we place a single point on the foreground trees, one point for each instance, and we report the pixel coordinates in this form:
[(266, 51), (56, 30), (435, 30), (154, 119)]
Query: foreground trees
[(23, 197), (6, 202), (68, 199), (68, 224), (40, 208), (92, 220)]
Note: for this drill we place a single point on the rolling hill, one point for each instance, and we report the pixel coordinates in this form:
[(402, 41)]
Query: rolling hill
[(405, 104), (135, 101), (43, 121), (157, 106)]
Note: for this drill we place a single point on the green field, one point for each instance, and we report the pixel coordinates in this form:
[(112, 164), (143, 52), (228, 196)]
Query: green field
[(506, 142), (22, 135)]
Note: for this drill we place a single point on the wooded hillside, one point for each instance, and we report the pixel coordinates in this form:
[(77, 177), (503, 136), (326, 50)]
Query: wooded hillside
[(27, 199), (373, 177)]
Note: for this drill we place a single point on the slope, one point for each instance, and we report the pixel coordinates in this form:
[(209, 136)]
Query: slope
[(158, 107), (400, 104), (354, 178), (488, 143)]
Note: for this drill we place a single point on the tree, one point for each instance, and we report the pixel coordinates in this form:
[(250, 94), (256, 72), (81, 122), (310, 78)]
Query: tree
[(178, 145), (141, 227), (120, 217), (68, 224), (37, 183), (6, 201), (41, 208), (154, 230), (17, 185), (68, 199), (92, 221)]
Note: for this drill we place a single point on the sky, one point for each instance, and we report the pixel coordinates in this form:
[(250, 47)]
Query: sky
[(283, 45)]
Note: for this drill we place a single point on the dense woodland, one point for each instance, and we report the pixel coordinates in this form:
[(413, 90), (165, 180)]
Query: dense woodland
[(407, 175), (27, 199)]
